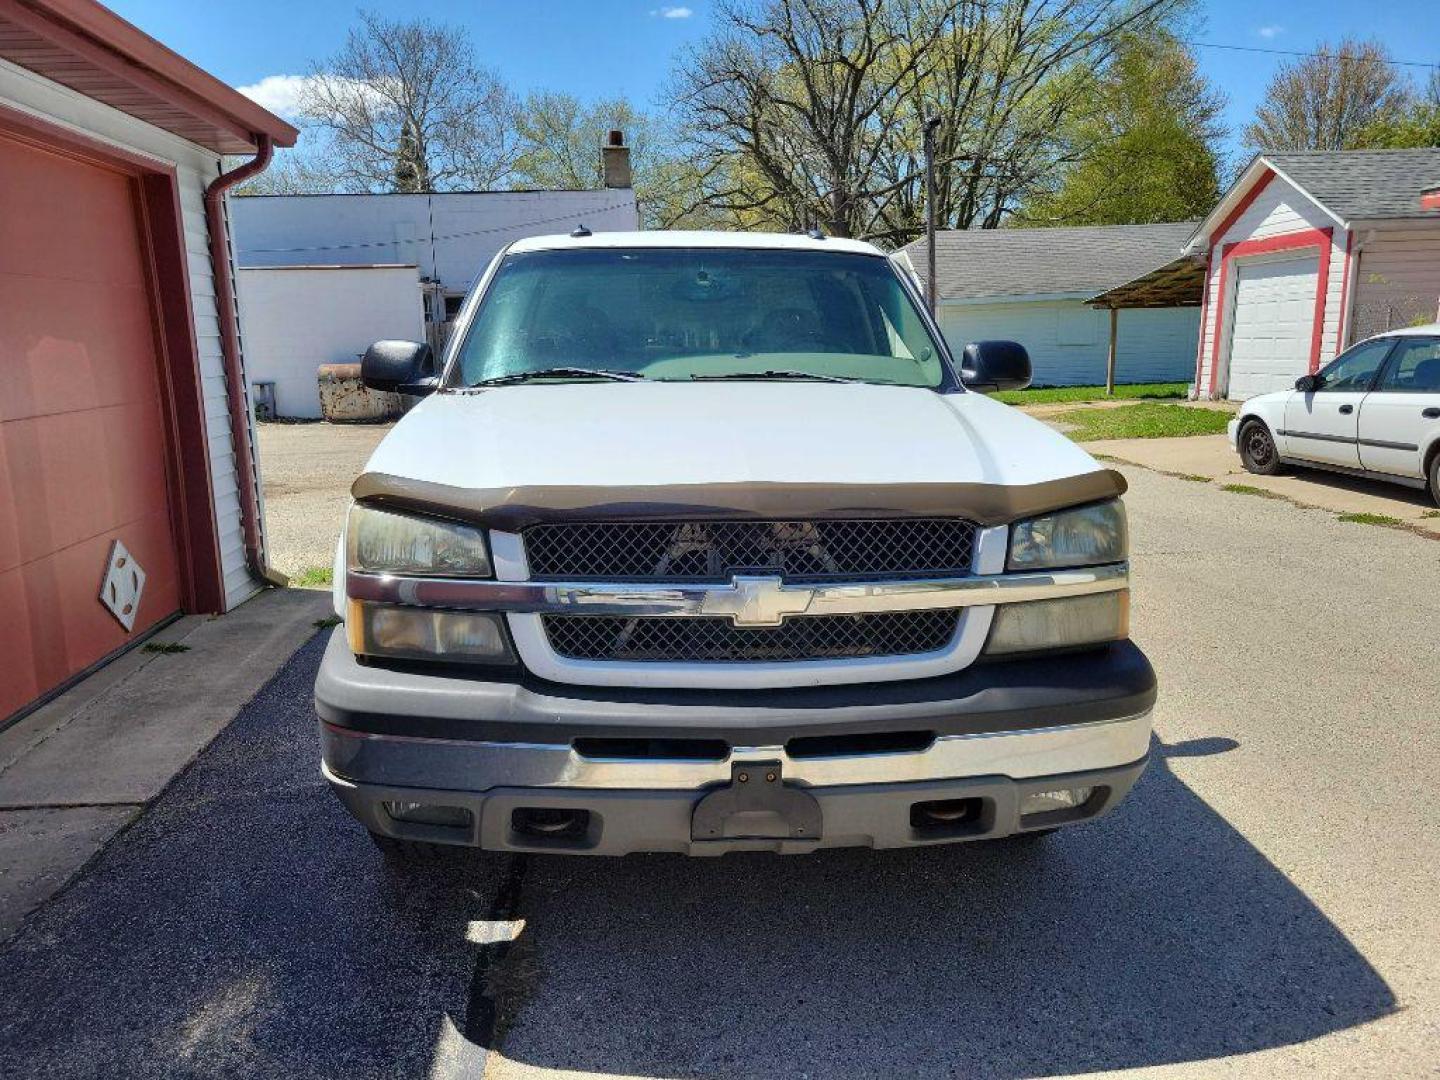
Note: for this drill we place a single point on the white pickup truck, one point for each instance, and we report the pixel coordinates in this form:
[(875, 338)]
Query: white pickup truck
[(704, 542)]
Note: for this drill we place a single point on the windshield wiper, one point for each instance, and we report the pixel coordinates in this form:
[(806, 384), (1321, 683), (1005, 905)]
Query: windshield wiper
[(558, 373), (769, 375)]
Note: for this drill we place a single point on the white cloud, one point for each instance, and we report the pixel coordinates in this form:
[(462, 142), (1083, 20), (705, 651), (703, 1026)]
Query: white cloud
[(278, 93), (673, 12), (1270, 32), (284, 94)]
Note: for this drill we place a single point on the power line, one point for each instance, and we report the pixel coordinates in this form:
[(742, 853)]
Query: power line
[(574, 215), (1297, 52)]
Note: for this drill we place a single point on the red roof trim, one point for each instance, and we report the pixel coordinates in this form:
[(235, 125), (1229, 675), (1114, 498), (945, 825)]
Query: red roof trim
[(1261, 183), (101, 39)]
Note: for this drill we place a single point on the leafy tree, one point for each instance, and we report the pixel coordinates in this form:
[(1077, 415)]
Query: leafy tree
[(408, 109), (412, 171), (1325, 101), (1144, 147), (1418, 126)]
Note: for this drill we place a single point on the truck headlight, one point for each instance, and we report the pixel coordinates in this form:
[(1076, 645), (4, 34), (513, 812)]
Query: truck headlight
[(1070, 622), (1086, 536), (382, 542), (412, 633)]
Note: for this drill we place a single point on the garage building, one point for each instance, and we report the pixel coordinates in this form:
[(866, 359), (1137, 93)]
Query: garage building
[(1308, 253), (1031, 286), (127, 476)]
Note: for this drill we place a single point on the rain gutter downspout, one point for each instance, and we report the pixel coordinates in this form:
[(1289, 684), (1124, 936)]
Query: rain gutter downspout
[(235, 391)]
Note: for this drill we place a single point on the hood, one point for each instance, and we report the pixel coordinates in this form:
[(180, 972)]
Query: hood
[(699, 441)]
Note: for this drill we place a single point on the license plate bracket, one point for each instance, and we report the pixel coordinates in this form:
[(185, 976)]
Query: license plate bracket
[(757, 788)]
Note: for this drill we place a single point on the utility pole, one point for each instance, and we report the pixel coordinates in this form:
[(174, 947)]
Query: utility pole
[(931, 290)]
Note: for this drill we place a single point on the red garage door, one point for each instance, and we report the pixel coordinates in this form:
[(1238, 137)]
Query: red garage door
[(83, 421)]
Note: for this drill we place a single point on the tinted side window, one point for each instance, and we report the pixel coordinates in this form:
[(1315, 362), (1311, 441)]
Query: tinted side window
[(1354, 370), (1415, 368)]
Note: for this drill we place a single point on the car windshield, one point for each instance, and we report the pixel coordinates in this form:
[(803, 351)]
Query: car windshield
[(697, 313)]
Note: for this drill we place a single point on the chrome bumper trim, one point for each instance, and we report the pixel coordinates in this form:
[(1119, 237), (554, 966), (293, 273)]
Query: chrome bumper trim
[(749, 601), (464, 765)]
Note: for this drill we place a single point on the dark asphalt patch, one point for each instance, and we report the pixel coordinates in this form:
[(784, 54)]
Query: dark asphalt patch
[(492, 990), (246, 926)]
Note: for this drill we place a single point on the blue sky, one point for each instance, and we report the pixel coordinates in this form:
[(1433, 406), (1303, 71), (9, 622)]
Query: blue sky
[(604, 47)]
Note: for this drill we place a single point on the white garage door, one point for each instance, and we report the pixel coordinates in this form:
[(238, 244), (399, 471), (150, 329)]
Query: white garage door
[(1272, 325)]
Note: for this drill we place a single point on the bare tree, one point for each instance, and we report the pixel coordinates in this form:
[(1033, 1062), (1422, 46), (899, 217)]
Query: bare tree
[(408, 109), (1324, 102), (560, 141), (810, 110)]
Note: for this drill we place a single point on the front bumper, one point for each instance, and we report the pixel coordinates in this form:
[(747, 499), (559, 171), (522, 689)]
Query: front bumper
[(1232, 431), (641, 760), (624, 821)]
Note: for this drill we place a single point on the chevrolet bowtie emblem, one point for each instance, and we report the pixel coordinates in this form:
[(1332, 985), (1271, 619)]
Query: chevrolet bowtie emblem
[(757, 601)]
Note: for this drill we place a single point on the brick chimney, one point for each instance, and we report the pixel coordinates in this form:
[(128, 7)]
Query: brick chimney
[(615, 161)]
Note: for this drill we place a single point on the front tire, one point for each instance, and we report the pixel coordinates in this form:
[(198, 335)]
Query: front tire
[(1435, 477), (1257, 449)]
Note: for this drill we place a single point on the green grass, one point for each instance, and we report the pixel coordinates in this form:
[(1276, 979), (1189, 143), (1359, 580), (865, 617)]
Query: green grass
[(1250, 489), (1370, 519), (1148, 420), (326, 623), (1194, 478), (1047, 395), (313, 577), (165, 647), (1431, 514)]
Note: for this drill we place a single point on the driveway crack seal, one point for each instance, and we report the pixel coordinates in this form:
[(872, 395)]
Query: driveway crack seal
[(494, 994)]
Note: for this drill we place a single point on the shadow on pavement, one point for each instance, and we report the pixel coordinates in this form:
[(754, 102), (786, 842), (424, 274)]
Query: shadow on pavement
[(1158, 934), (245, 927)]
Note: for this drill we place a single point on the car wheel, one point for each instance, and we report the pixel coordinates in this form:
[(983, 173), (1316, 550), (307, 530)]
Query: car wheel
[(1257, 449), (1435, 478)]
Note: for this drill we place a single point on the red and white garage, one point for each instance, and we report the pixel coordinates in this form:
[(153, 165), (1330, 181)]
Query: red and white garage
[(127, 479), (1306, 254)]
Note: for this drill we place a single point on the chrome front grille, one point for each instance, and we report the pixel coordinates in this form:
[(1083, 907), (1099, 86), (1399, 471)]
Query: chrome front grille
[(714, 551), (718, 640)]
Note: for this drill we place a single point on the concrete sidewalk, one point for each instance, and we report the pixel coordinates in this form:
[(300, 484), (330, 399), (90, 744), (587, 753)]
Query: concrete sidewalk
[(1210, 457), (76, 772)]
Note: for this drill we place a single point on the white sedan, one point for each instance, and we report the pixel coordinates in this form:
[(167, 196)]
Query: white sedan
[(1373, 411)]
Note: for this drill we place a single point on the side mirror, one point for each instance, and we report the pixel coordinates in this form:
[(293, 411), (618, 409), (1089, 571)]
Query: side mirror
[(399, 367), (1307, 384), (995, 365)]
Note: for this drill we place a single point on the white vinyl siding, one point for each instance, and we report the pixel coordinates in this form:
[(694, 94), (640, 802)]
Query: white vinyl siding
[(1068, 341), (1279, 210), (195, 167), (1395, 277)]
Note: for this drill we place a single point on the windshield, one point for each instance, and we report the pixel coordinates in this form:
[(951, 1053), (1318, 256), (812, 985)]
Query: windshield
[(697, 313)]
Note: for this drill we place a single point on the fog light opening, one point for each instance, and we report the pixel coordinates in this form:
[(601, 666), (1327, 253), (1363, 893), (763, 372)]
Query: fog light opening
[(549, 823), (1053, 807), (416, 813)]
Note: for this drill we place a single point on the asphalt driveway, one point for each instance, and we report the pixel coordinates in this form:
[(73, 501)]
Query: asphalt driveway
[(1262, 905)]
